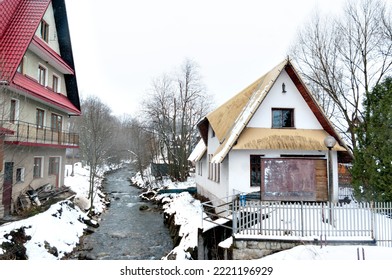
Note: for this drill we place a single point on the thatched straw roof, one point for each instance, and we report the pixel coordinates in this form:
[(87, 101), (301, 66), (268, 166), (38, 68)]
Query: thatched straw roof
[(230, 120), (283, 139)]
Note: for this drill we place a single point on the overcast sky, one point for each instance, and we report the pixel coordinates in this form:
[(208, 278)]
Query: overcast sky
[(119, 46)]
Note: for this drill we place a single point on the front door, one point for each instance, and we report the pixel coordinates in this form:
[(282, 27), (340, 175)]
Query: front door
[(7, 187), (54, 168)]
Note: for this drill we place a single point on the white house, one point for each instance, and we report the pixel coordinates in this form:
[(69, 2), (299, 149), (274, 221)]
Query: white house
[(269, 139)]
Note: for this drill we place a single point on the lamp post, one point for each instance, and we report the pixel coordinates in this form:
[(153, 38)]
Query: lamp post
[(330, 142)]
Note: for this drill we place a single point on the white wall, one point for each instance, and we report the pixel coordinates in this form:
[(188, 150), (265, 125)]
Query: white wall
[(303, 116), (235, 169)]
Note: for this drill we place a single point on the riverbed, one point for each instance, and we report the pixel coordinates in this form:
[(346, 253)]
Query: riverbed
[(126, 232)]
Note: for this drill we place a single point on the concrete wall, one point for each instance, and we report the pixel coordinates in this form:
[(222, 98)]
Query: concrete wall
[(23, 157)]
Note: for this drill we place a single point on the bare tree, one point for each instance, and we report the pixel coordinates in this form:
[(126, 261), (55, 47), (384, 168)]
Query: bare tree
[(96, 127), (343, 58), (174, 107)]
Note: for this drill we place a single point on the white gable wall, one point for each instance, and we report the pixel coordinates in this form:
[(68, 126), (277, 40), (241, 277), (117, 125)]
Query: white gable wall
[(303, 116), (49, 19), (235, 169)]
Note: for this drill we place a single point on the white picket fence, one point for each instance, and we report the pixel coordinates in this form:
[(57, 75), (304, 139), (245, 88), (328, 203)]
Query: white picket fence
[(302, 220)]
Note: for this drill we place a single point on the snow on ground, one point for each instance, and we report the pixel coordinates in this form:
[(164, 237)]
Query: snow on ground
[(327, 253), (62, 225)]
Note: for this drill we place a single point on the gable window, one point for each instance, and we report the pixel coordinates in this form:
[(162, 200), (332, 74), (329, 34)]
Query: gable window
[(255, 170), (40, 116), (37, 171), (55, 83), (45, 31), (42, 75), (282, 118)]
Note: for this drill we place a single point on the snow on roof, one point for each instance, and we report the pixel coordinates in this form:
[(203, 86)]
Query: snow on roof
[(198, 151)]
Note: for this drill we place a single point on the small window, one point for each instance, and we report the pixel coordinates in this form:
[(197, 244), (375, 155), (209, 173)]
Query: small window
[(56, 122), (40, 118), (20, 174), (37, 172), (45, 31), (255, 170), (282, 118), (42, 75), (14, 110), (200, 168), (55, 84), (20, 66)]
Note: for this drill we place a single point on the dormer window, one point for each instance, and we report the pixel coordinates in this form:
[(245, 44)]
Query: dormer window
[(282, 118), (45, 31)]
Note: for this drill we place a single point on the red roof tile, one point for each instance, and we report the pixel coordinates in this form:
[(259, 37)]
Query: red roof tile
[(18, 23), (37, 91)]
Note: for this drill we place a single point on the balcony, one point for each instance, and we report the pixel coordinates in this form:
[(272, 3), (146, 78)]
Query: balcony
[(29, 134)]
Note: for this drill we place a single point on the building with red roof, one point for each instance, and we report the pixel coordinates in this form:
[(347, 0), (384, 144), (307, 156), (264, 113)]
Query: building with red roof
[(38, 95)]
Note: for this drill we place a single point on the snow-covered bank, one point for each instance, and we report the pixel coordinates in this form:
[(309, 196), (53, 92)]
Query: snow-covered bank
[(186, 210), (55, 232)]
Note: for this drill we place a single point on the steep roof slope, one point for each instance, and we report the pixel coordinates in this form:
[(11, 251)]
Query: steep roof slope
[(19, 19), (229, 120)]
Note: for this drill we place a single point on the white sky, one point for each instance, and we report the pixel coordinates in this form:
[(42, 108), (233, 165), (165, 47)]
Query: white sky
[(119, 46)]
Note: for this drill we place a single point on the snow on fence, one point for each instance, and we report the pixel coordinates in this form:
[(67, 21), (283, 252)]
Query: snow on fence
[(303, 220)]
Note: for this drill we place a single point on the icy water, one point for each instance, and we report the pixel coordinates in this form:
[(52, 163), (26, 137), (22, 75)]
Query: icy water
[(125, 232)]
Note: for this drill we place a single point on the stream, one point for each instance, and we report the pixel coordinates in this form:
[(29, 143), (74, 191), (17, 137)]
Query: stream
[(125, 232)]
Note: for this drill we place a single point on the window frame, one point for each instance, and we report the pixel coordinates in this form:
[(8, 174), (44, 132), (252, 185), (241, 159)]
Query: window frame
[(14, 110), (44, 31), (56, 85), (40, 122), (20, 175), (292, 120), (42, 75), (40, 170), (251, 163)]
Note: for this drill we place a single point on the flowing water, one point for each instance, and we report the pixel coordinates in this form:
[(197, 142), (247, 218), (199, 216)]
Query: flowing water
[(125, 232)]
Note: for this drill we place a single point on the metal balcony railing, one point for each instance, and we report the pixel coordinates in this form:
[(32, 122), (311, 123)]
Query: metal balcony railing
[(29, 133)]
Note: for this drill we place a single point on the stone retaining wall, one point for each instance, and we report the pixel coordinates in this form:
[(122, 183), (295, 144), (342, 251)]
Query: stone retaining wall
[(248, 249)]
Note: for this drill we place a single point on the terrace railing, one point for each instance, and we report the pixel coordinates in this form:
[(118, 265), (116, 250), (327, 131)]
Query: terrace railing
[(29, 133), (303, 220)]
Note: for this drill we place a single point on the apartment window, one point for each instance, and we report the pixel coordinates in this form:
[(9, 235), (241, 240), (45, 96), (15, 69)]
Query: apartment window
[(14, 110), (55, 83), (282, 118), (20, 174), (56, 122), (45, 31), (40, 118), (37, 171), (42, 75), (255, 170)]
